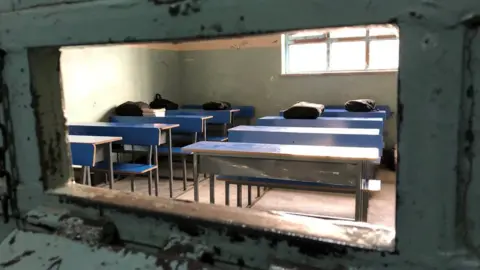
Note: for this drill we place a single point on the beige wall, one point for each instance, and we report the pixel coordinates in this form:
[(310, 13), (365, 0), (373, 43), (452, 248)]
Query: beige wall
[(244, 71), (248, 72), (96, 79)]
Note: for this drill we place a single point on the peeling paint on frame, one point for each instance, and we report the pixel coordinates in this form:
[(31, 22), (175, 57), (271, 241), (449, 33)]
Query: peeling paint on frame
[(426, 225)]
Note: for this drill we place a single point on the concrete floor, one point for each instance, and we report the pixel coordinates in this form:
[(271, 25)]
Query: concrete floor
[(381, 209)]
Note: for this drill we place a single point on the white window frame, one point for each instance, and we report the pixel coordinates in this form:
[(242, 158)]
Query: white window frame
[(324, 37)]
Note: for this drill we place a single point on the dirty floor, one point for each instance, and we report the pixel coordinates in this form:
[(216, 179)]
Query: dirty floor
[(381, 209)]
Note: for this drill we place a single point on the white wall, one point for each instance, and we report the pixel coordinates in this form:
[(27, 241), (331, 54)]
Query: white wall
[(96, 79)]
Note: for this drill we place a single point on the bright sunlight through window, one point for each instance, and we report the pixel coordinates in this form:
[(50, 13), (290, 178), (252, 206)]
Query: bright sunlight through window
[(365, 48)]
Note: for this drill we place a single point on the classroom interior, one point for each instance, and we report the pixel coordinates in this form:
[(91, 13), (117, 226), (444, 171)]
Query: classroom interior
[(269, 73)]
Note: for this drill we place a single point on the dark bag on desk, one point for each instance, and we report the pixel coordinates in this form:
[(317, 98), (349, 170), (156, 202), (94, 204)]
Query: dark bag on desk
[(304, 110), (360, 105), (161, 103), (216, 105), (131, 108)]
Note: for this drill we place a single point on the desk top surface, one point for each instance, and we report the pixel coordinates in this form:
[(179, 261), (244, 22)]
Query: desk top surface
[(308, 130), (92, 139), (376, 119), (206, 111), (130, 125), (202, 117), (283, 151)]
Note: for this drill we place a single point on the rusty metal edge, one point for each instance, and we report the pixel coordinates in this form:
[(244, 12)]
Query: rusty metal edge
[(255, 224)]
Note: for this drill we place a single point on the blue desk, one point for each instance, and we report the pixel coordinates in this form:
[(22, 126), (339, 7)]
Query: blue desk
[(83, 149), (187, 123), (345, 113), (133, 134), (343, 137), (298, 163), (218, 117), (246, 112), (223, 117), (326, 122)]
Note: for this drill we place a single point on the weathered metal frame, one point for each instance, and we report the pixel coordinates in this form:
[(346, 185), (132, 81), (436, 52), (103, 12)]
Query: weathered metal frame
[(436, 137)]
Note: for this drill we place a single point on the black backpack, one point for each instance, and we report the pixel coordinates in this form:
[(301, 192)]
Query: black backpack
[(304, 110), (216, 105), (360, 105), (161, 103), (131, 108)]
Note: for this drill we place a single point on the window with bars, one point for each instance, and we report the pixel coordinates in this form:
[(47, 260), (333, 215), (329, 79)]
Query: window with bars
[(362, 48)]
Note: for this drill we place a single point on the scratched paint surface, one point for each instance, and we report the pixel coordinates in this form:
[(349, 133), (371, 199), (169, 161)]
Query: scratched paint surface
[(437, 127), (27, 250)]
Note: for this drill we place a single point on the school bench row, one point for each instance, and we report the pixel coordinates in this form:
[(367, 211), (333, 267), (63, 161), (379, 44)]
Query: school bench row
[(154, 133), (201, 128), (276, 154)]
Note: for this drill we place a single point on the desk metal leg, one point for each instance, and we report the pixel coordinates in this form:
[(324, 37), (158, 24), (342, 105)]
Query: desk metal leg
[(108, 154), (184, 163), (227, 193), (170, 162), (204, 131), (157, 173), (195, 178), (258, 191), (212, 188), (239, 195), (150, 178), (360, 210), (365, 192), (249, 194), (89, 177), (132, 184), (84, 174)]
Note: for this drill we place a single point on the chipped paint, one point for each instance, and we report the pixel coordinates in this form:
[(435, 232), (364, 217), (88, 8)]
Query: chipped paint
[(432, 157), (46, 251)]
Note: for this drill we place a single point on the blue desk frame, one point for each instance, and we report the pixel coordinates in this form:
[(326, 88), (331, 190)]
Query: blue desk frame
[(151, 135)]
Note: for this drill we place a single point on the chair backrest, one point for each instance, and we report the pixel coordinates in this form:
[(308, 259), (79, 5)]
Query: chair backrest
[(327, 122), (83, 154), (307, 136), (219, 117), (131, 134), (188, 124)]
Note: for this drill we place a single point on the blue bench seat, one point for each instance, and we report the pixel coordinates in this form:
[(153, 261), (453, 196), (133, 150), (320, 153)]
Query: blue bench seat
[(125, 168)]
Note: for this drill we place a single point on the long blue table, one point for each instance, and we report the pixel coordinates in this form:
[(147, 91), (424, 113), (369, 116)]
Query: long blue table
[(151, 135), (345, 113), (343, 137), (326, 122), (297, 163)]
